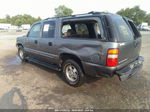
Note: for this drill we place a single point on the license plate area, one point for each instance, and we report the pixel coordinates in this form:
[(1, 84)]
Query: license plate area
[(135, 64), (130, 70)]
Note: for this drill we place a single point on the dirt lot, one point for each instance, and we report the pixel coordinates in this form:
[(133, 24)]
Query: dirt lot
[(27, 85)]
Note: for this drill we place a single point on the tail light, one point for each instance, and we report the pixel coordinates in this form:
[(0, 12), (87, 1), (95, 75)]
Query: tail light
[(112, 57)]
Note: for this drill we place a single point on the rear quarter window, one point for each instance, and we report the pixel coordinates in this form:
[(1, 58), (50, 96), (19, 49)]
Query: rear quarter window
[(123, 30)]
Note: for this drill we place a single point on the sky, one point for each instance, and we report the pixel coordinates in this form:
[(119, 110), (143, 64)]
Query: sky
[(45, 8)]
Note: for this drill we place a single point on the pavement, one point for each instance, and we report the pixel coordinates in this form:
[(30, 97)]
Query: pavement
[(30, 86)]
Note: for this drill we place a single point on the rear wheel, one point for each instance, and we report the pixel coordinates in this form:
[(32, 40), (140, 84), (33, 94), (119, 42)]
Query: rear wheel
[(73, 73), (21, 53)]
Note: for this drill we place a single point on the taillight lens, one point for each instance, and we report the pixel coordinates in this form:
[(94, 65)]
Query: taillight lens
[(112, 57)]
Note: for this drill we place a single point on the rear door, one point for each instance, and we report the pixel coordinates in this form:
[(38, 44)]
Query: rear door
[(129, 39)]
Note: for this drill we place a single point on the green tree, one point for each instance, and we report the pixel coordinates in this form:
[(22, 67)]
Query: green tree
[(147, 18), (18, 20), (2, 20), (135, 13), (23, 19), (62, 11)]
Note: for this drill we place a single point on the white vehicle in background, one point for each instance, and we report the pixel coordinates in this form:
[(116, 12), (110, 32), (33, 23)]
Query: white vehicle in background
[(5, 26), (12, 27), (26, 26), (143, 27), (19, 29)]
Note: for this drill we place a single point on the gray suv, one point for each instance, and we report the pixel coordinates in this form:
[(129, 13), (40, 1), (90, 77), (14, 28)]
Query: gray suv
[(96, 44)]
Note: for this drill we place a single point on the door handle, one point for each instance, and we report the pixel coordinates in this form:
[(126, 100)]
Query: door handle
[(50, 43), (35, 41)]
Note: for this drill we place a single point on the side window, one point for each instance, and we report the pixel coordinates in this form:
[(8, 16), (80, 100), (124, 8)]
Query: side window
[(48, 29), (35, 30), (65, 29), (97, 29), (81, 29), (86, 29)]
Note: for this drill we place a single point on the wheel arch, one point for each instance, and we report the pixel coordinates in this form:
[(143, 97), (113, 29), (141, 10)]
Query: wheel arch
[(65, 56), (19, 44)]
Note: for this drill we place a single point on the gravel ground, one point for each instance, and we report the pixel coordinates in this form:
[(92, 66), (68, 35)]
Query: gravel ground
[(27, 85)]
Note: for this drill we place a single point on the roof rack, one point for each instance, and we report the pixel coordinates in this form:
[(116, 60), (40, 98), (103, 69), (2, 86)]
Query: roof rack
[(94, 12), (51, 18), (85, 14), (46, 18), (77, 15)]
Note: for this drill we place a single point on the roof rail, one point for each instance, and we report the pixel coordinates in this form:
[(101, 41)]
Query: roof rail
[(77, 15), (51, 18), (85, 14), (94, 12), (46, 18)]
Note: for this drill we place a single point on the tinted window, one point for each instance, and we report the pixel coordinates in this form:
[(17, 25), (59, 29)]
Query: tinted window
[(125, 34), (48, 29), (35, 30), (81, 29), (136, 33), (97, 29), (65, 28)]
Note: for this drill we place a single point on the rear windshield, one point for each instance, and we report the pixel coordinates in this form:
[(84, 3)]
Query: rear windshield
[(125, 34)]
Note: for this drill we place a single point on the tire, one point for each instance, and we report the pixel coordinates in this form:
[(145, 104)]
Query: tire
[(73, 73), (21, 53)]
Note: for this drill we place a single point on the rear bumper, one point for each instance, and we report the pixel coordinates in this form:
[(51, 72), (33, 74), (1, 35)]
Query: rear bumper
[(123, 72), (130, 70), (98, 70)]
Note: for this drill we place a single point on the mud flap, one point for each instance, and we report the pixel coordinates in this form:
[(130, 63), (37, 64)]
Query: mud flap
[(131, 69)]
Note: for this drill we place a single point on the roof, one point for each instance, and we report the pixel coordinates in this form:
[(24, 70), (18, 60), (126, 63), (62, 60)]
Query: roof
[(92, 13)]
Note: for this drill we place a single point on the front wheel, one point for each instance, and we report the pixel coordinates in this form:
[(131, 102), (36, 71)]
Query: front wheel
[(21, 53), (73, 73)]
